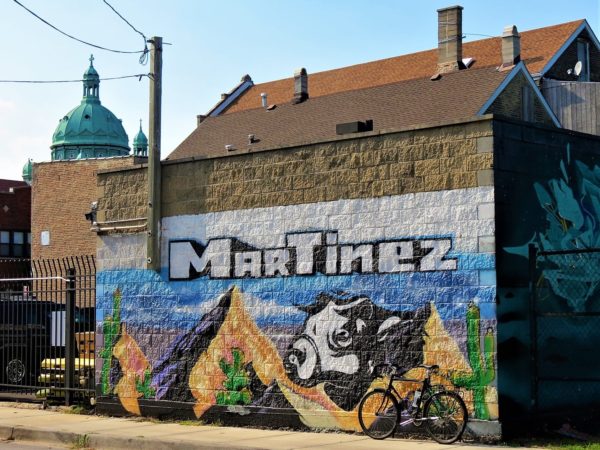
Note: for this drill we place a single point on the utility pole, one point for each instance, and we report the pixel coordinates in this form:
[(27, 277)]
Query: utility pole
[(154, 169)]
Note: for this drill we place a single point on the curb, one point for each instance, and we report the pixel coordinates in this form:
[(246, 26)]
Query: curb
[(83, 440)]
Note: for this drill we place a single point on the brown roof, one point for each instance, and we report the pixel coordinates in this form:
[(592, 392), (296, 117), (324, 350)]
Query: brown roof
[(455, 96), (537, 48)]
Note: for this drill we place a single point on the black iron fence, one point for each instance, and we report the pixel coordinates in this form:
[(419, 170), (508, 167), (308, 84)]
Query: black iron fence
[(565, 331), (47, 329)]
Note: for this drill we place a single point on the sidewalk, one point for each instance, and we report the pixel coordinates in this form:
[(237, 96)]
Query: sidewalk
[(99, 432)]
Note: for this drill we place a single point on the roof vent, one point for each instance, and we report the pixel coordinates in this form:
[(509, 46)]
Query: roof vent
[(354, 127), (450, 39), (229, 147), (511, 46), (468, 62), (300, 86), (263, 98)]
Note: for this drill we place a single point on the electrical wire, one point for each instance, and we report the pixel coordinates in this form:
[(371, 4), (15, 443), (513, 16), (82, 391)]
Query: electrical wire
[(144, 56), (139, 76), (73, 37)]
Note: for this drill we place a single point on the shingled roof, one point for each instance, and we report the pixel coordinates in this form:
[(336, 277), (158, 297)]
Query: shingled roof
[(537, 48), (457, 95)]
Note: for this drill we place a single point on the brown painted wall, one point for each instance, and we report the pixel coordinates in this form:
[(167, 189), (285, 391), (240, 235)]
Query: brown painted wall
[(62, 192)]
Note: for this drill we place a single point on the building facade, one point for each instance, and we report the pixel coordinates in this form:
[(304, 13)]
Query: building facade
[(306, 239)]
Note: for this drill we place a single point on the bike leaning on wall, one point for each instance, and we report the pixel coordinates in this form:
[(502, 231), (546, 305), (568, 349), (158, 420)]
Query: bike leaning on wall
[(442, 412)]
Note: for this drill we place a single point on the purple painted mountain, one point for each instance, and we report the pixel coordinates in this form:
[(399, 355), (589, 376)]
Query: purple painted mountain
[(171, 376)]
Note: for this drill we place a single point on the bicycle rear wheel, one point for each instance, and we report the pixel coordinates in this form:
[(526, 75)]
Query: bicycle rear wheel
[(378, 414), (445, 415)]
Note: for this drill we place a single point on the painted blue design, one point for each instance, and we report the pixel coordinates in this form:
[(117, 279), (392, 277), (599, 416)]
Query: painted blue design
[(149, 299), (572, 205)]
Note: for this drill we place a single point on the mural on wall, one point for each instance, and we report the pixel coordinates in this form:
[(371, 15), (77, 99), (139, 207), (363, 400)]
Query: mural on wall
[(572, 205), (247, 319)]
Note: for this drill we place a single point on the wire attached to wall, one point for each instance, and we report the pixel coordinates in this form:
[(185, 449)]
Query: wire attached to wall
[(77, 39)]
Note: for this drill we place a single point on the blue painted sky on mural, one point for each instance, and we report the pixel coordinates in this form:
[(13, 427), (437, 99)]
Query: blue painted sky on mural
[(214, 45), (146, 294)]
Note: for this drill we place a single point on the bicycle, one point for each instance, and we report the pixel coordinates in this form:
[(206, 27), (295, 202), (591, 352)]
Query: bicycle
[(443, 412)]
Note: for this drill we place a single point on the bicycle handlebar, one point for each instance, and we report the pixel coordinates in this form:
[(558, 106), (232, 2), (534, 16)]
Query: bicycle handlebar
[(397, 369)]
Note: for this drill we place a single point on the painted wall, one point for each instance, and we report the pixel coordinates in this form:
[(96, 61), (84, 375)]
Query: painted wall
[(276, 314), (547, 186)]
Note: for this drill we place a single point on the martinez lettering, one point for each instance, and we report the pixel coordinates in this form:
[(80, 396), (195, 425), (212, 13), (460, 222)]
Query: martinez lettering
[(306, 254)]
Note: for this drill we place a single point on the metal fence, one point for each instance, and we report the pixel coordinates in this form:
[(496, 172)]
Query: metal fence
[(47, 329), (565, 331)]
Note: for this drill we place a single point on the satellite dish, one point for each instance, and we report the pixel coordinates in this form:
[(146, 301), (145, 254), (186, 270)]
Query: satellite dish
[(578, 67)]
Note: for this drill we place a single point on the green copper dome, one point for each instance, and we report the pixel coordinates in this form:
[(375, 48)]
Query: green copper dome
[(90, 130), (28, 171), (140, 143)]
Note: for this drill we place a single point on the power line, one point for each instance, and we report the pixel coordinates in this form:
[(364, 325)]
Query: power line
[(144, 57), (139, 75), (73, 37)]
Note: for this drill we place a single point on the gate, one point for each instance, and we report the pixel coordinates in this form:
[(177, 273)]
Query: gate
[(565, 332), (47, 329)]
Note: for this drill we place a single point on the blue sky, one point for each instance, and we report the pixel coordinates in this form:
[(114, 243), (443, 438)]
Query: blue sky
[(214, 43)]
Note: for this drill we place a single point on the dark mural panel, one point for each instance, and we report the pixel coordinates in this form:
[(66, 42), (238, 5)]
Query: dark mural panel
[(548, 194)]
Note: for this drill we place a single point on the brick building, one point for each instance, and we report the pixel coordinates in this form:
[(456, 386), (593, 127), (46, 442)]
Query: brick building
[(317, 226), (15, 226)]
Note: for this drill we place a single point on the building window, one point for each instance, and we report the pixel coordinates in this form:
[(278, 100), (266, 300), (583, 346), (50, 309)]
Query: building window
[(15, 244), (583, 55)]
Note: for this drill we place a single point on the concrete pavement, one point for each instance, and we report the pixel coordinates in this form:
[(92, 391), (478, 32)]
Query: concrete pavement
[(99, 432)]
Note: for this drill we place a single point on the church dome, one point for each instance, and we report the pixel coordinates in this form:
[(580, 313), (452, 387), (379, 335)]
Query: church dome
[(89, 130), (140, 143), (28, 171)]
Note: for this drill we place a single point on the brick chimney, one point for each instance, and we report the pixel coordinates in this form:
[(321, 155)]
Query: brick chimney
[(300, 86), (511, 46), (450, 39)]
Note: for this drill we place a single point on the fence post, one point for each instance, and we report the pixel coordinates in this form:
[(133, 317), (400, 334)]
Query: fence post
[(70, 336), (533, 253)]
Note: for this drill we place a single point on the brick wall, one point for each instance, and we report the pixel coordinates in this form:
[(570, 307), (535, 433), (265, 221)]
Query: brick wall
[(62, 192), (15, 209), (509, 103)]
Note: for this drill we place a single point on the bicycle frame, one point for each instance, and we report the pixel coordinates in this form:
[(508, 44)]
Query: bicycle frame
[(425, 388)]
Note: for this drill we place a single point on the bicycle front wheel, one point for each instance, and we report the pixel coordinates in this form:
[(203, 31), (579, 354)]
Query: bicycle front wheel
[(378, 414), (445, 415)]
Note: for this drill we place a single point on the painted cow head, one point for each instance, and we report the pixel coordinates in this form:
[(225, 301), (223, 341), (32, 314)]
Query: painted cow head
[(344, 337)]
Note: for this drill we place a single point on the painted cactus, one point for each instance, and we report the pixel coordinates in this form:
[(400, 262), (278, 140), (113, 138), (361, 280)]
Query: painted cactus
[(143, 385), (110, 329), (236, 384), (483, 370)]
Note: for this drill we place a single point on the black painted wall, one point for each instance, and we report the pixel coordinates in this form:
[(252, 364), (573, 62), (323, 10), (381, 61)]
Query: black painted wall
[(559, 213)]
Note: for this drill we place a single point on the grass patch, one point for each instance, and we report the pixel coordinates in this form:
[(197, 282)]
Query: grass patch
[(191, 423), (82, 441)]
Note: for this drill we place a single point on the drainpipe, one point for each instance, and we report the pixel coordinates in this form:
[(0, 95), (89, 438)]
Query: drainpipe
[(154, 172)]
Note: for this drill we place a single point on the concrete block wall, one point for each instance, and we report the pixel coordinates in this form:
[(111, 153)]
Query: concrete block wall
[(287, 275)]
